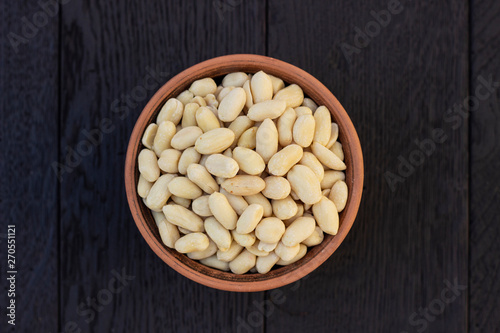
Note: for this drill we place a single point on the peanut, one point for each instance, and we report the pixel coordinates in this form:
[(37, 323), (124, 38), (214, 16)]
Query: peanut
[(244, 185), (326, 215)]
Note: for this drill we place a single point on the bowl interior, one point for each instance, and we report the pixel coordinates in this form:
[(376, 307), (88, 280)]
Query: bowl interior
[(278, 276)]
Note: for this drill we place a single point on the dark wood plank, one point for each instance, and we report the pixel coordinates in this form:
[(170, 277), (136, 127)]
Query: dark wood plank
[(410, 239), (484, 269), (29, 144), (108, 50)]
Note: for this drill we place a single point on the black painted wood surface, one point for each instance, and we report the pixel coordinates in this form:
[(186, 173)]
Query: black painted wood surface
[(72, 87)]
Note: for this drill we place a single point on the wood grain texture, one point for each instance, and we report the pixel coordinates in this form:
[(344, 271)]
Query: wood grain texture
[(108, 49), (485, 172), (28, 186), (405, 243)]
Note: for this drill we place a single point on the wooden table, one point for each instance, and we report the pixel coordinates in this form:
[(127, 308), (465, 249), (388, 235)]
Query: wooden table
[(423, 254)]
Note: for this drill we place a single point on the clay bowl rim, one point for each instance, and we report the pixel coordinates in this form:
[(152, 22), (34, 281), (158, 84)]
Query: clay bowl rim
[(277, 277)]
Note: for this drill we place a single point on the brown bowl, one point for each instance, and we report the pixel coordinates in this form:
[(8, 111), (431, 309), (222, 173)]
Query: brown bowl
[(316, 255)]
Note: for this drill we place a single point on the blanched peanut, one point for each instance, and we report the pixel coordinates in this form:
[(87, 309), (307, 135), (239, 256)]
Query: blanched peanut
[(287, 252), (199, 175), (292, 95), (222, 210), (300, 212), (192, 242), (183, 217), (337, 150), (284, 160), (199, 100), (143, 187), (260, 199), (285, 127), (310, 104), (300, 255), (168, 232), (211, 101), (181, 201), (330, 178), (323, 128), (249, 219), (185, 97), (240, 125), (243, 262), (333, 135), (186, 137), (148, 165), (267, 109), (235, 79), (238, 203), (188, 157), (232, 105), (298, 231), (248, 138), (163, 137), (220, 180), (203, 159), (172, 111), (248, 92), (216, 113), (208, 252), (255, 250), (264, 264), (276, 188), (266, 143), (184, 231), (206, 119), (303, 130), (149, 135), (223, 93), (339, 194), (200, 206), (305, 184), (214, 141), (316, 238), (294, 195), (189, 117), (222, 166), (270, 230), (309, 160), (244, 185), (327, 157), (228, 153), (215, 263), (248, 160), (244, 240), (203, 87), (267, 247), (262, 87), (326, 215), (184, 188), (220, 235), (278, 83), (303, 111), (231, 253), (284, 208), (217, 92), (169, 160)]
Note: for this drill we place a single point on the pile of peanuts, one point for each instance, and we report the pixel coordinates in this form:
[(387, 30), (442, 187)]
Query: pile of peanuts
[(245, 175)]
